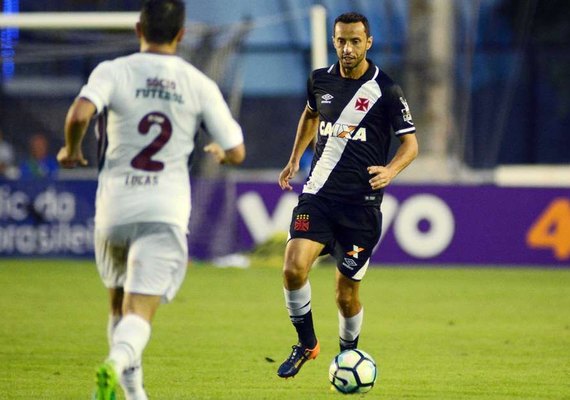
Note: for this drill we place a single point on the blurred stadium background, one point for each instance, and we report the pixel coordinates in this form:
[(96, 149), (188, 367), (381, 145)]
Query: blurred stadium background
[(487, 82)]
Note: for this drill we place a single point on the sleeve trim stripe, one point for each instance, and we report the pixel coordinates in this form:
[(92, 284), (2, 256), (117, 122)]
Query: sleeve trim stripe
[(406, 130)]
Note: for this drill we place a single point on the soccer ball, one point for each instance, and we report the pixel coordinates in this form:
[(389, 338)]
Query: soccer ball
[(353, 371)]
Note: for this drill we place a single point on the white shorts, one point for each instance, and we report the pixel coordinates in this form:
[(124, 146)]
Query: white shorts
[(145, 258)]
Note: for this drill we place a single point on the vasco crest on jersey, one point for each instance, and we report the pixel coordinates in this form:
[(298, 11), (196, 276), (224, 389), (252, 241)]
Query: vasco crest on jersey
[(302, 222), (362, 104)]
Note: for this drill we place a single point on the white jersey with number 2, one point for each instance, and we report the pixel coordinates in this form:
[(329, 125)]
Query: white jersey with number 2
[(149, 108)]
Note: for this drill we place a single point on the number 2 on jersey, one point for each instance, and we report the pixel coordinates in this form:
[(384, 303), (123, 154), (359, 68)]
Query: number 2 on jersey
[(143, 160)]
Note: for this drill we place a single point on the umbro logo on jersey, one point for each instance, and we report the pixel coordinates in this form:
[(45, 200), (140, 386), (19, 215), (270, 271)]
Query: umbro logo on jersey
[(362, 104), (326, 98)]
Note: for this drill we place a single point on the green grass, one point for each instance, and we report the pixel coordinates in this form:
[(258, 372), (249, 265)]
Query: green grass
[(435, 333)]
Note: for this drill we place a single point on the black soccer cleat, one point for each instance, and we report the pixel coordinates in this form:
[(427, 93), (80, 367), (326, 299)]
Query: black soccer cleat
[(299, 356)]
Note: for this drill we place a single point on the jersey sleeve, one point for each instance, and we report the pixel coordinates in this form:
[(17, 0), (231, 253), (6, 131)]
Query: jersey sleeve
[(218, 119), (400, 115), (311, 99), (99, 87)]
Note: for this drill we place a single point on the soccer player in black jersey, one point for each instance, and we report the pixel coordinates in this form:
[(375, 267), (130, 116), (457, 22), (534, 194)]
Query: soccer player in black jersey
[(353, 107)]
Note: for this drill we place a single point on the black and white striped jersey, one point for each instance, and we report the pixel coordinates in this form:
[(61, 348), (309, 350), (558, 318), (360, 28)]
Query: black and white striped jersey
[(356, 120)]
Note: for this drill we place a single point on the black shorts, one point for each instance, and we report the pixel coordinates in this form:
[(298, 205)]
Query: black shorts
[(349, 232)]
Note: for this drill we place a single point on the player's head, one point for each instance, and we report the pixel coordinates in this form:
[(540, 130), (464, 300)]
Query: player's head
[(351, 39), (162, 21), (353, 18)]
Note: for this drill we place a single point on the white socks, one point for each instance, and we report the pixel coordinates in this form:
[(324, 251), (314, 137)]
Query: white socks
[(349, 328), (111, 325), (298, 302), (128, 337), (132, 383)]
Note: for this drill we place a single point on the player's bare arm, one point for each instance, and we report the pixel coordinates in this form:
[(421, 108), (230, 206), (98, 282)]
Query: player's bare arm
[(233, 156), (306, 131), (406, 153), (76, 123)]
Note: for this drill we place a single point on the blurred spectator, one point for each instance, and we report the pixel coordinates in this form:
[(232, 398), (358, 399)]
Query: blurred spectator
[(7, 167), (39, 163)]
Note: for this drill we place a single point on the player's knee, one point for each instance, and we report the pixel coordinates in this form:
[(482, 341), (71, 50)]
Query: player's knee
[(294, 275)]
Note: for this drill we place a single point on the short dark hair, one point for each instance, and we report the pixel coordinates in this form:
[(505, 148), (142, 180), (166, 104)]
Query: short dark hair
[(161, 20), (354, 17)]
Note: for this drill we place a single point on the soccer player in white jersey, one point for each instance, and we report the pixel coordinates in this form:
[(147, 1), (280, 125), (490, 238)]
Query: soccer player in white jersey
[(149, 106), (353, 107)]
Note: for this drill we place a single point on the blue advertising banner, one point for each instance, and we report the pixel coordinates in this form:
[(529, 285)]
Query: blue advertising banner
[(46, 218), (427, 224)]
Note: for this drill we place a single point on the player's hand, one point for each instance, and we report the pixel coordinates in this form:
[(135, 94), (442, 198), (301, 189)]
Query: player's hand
[(217, 152), (382, 176), (67, 159), (287, 174)]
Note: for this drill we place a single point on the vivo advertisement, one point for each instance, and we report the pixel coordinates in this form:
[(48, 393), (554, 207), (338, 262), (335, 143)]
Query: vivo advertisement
[(433, 225), (441, 224)]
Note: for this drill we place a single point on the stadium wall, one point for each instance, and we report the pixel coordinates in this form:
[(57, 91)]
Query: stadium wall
[(422, 224)]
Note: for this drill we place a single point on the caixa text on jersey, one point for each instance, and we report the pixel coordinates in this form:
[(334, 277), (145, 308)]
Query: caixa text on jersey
[(342, 131)]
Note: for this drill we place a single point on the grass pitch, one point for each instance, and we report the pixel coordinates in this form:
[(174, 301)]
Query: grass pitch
[(435, 333)]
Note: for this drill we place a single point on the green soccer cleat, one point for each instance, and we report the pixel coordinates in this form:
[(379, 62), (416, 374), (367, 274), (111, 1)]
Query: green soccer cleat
[(106, 380)]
